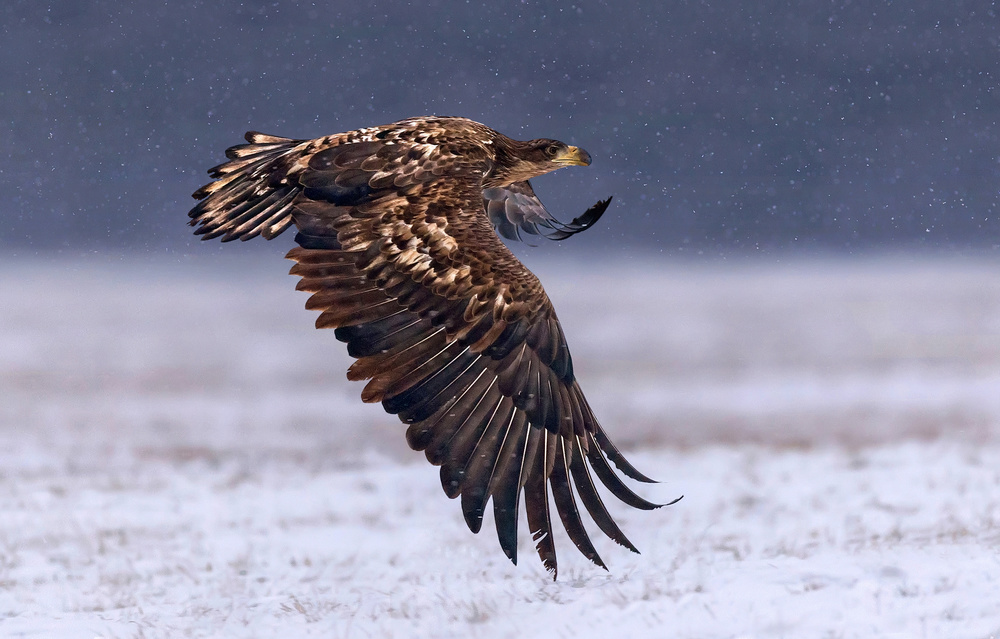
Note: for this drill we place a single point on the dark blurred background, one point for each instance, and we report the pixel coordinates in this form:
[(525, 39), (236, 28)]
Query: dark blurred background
[(720, 126)]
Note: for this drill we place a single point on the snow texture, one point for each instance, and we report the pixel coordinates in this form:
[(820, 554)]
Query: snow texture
[(180, 456)]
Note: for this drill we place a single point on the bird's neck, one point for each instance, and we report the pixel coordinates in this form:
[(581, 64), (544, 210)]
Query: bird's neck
[(508, 167)]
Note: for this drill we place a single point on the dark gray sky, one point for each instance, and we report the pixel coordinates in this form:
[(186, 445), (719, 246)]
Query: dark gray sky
[(719, 126)]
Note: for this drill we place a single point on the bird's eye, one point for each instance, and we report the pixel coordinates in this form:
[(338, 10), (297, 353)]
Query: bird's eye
[(552, 150)]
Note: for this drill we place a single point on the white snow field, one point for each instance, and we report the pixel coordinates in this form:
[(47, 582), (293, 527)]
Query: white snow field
[(181, 456)]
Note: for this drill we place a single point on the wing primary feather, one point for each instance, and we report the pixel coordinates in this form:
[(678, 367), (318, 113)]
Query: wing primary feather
[(251, 194), (592, 499), (562, 495), (386, 368), (426, 397), (278, 223), (344, 296), (336, 317), (256, 137), (616, 456), (511, 337), (433, 434), (375, 337), (385, 354), (527, 396), (340, 266), (515, 208), (246, 223), (402, 386), (613, 483), (482, 464), (508, 368), (308, 241), (579, 224), (536, 503), (464, 439), (551, 409), (304, 256), (506, 484), (443, 393)]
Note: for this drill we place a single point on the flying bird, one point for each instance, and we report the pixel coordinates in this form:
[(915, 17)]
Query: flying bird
[(395, 232)]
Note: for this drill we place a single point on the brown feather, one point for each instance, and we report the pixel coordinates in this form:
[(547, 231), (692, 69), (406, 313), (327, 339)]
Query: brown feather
[(562, 495), (592, 499), (482, 464), (464, 440), (505, 487), (434, 435), (536, 503)]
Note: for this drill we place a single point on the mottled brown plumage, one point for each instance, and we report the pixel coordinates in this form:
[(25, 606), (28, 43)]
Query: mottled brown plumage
[(454, 335)]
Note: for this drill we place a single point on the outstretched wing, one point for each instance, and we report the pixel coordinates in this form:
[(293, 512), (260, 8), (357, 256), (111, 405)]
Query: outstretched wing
[(455, 336), (516, 208)]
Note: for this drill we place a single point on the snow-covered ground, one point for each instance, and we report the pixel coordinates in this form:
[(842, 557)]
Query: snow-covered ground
[(180, 455)]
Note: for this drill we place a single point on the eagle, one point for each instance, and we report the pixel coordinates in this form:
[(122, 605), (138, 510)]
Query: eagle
[(397, 242)]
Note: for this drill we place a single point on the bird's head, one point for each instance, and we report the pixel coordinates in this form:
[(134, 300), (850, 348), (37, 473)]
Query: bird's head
[(553, 153), (525, 160)]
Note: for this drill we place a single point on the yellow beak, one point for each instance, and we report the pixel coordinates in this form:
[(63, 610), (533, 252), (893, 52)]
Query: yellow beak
[(573, 156)]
